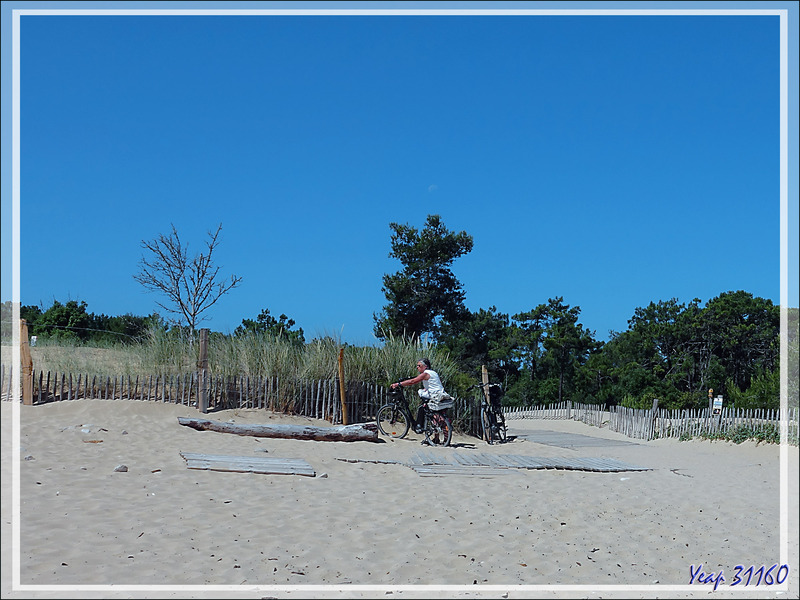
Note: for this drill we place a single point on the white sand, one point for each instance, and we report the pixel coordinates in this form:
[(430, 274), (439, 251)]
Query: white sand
[(373, 529)]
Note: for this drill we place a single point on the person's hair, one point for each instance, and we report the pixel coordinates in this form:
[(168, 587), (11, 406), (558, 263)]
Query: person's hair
[(425, 362)]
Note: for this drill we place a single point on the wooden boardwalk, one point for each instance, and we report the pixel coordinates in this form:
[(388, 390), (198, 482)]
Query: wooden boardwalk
[(568, 440), (491, 465), (501, 464), (247, 464)]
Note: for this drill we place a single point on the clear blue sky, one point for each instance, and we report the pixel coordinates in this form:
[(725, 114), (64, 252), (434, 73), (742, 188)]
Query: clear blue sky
[(611, 160)]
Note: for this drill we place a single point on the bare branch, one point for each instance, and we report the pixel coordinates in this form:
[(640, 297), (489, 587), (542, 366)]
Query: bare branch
[(190, 286)]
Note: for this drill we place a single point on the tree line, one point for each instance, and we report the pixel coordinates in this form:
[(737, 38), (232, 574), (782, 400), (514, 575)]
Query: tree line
[(672, 351), (70, 322)]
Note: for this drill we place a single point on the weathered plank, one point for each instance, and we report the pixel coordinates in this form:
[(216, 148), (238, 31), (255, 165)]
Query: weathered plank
[(248, 464), (493, 461), (344, 433), (465, 459), (472, 471)]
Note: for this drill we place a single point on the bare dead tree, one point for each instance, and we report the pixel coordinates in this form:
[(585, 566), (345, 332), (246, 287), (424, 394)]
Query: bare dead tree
[(191, 286)]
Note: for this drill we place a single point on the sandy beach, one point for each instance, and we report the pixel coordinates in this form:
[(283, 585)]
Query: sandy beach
[(366, 525)]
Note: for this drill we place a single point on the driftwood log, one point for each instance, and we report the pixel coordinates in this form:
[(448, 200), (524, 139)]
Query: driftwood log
[(343, 433)]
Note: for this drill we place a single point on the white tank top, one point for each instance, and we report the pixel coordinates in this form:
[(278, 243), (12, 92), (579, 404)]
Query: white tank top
[(433, 385)]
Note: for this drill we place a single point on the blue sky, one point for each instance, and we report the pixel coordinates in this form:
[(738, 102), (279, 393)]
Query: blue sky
[(611, 160)]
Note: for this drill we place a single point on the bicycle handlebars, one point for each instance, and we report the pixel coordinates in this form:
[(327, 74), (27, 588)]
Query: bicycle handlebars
[(480, 385)]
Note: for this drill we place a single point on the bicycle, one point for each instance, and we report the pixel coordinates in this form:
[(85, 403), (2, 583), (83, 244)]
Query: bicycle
[(493, 422), (395, 419)]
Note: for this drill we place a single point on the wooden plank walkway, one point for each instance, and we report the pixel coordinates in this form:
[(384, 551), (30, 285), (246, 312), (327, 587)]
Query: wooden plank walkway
[(568, 440), (422, 461), (247, 464), (490, 465)]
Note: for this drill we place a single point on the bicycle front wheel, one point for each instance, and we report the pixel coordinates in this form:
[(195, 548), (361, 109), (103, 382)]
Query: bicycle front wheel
[(486, 426), (392, 421), (438, 429)]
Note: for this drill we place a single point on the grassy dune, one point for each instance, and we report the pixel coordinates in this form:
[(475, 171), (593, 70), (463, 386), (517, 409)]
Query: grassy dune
[(254, 355)]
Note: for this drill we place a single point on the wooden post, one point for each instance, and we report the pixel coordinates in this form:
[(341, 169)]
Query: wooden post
[(710, 408), (341, 386), (26, 362), (485, 382), (653, 416), (202, 374)]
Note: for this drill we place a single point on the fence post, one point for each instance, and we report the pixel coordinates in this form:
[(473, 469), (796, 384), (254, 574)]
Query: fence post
[(485, 382), (653, 416), (341, 386), (27, 363), (202, 375)]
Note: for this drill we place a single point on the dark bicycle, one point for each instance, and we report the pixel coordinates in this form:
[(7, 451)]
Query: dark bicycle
[(493, 422), (395, 419)]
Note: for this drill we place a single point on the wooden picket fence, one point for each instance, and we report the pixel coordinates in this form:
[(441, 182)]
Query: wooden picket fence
[(320, 399), (317, 399), (648, 424), (560, 410)]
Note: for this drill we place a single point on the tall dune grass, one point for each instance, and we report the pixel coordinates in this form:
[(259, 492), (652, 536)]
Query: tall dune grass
[(63, 358), (264, 355)]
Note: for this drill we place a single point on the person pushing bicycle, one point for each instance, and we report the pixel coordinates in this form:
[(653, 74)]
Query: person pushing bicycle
[(432, 391)]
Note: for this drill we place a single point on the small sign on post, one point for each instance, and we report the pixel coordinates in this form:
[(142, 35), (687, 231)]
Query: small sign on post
[(717, 410)]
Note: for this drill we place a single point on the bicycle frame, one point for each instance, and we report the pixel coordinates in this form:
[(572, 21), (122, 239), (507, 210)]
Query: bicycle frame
[(401, 403), (395, 419)]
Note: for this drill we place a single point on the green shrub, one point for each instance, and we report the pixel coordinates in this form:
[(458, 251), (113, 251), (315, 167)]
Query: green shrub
[(768, 434)]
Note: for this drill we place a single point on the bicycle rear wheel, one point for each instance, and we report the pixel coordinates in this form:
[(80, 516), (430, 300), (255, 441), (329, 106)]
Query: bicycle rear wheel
[(501, 427), (438, 429), (392, 421), (487, 426)]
